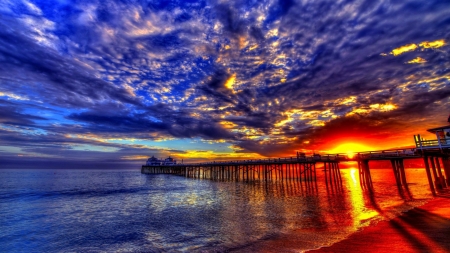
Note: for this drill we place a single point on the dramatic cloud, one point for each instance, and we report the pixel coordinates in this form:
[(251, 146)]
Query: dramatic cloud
[(123, 80)]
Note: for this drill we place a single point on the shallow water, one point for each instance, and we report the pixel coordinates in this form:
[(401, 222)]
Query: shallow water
[(126, 211)]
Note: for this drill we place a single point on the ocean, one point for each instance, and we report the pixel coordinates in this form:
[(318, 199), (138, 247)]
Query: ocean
[(126, 211)]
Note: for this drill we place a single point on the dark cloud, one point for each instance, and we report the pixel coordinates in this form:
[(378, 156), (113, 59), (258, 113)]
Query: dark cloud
[(11, 116), (165, 42), (279, 9), (164, 122), (256, 33), (67, 83), (122, 123), (255, 120), (230, 19), (215, 87)]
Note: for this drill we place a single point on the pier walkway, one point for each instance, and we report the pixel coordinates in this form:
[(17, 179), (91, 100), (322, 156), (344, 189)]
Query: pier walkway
[(302, 167)]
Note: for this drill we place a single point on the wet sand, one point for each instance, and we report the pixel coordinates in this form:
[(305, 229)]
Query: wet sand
[(422, 229)]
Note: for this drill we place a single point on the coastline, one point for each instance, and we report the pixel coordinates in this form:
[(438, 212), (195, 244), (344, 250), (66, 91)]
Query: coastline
[(422, 229)]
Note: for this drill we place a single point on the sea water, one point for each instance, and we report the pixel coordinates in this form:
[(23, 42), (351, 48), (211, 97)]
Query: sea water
[(126, 211)]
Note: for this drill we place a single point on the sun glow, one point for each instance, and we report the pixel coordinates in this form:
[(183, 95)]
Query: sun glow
[(350, 154), (349, 149)]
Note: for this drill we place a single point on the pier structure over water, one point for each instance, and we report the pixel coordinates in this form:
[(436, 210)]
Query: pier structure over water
[(435, 154)]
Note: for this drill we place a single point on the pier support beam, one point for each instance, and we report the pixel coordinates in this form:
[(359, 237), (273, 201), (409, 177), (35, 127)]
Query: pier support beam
[(365, 179), (399, 172), (430, 179), (332, 173), (442, 180), (437, 179), (446, 167)]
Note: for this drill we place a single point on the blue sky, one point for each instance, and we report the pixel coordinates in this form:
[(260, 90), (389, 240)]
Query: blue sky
[(96, 83)]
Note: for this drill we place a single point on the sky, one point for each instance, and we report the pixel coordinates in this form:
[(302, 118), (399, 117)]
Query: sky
[(107, 84)]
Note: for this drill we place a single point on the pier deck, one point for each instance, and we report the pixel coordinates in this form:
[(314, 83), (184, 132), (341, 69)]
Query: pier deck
[(303, 167), (435, 154)]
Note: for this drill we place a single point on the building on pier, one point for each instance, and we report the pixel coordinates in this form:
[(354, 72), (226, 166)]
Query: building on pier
[(153, 161), (169, 161), (442, 141)]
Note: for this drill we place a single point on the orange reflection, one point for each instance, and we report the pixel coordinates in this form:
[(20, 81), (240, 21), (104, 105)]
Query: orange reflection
[(361, 212), (352, 175)]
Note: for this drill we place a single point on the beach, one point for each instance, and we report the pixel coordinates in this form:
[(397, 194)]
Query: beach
[(422, 229)]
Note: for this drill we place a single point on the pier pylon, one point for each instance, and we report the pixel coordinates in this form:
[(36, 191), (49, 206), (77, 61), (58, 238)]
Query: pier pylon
[(365, 179)]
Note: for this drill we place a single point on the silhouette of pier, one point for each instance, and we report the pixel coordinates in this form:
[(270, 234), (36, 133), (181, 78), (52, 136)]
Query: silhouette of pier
[(302, 168)]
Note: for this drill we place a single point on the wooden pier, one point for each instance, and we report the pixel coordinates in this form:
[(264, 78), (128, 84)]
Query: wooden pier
[(302, 168), (246, 170)]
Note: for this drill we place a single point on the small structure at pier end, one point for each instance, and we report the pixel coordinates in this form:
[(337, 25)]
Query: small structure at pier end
[(442, 141), (153, 161), (436, 153), (169, 161)]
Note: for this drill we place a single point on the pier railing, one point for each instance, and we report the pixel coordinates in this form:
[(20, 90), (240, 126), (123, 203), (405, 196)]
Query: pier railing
[(303, 167), (440, 143)]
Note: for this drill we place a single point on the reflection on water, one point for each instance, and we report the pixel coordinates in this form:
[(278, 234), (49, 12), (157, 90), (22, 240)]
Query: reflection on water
[(60, 211)]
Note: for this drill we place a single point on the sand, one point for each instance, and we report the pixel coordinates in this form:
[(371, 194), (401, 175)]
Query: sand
[(422, 229)]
